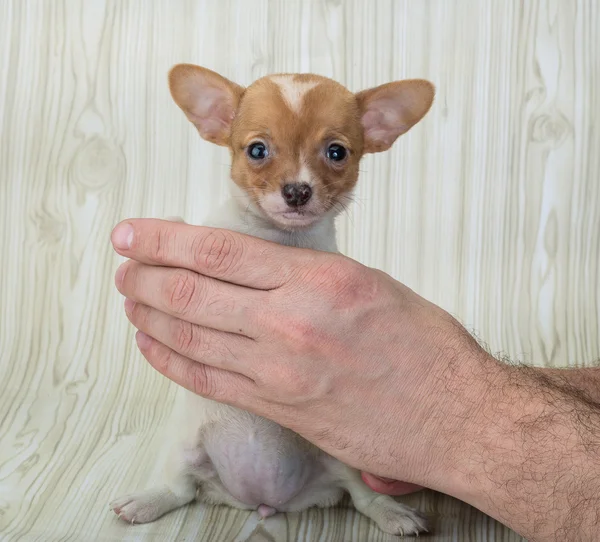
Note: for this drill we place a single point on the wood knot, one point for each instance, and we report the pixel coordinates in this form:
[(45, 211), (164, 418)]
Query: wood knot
[(98, 163), (550, 128)]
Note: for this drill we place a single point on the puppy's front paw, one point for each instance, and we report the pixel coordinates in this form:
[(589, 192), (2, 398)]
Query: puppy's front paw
[(396, 518), (139, 507)]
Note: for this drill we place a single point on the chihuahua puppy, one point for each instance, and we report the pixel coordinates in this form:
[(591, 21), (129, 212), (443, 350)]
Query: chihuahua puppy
[(295, 142)]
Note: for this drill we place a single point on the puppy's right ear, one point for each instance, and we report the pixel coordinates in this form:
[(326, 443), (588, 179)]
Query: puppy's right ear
[(208, 100)]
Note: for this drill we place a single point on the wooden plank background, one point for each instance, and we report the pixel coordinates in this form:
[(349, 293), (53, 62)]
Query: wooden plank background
[(490, 208)]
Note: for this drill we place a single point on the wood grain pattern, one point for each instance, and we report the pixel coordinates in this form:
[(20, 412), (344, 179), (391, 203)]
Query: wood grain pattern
[(490, 208)]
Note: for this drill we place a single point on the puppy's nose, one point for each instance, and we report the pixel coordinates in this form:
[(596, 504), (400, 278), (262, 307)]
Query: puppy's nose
[(296, 194)]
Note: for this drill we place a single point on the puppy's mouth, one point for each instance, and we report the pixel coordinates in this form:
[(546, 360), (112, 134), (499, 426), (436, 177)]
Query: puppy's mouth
[(292, 219), (297, 217)]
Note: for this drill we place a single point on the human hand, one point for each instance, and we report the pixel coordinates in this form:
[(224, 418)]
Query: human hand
[(389, 486), (342, 354)]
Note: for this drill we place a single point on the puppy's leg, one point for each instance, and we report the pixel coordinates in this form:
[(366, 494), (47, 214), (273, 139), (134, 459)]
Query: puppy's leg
[(183, 472), (391, 516), (146, 506)]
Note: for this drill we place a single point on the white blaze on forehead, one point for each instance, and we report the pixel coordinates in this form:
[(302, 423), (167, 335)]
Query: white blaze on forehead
[(293, 91)]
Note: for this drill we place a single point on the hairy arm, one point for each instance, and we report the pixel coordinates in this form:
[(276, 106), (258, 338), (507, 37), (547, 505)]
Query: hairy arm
[(580, 381), (533, 455)]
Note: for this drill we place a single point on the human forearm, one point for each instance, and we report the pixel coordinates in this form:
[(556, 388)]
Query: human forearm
[(579, 381), (532, 458)]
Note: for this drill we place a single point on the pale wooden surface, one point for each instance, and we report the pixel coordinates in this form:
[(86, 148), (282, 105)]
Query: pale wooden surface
[(490, 208)]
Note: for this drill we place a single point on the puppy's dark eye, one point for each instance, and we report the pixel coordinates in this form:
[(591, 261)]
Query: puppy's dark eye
[(258, 151), (336, 153)]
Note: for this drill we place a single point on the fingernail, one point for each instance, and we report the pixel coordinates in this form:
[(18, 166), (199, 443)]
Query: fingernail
[(120, 274), (129, 304), (122, 236), (143, 340)]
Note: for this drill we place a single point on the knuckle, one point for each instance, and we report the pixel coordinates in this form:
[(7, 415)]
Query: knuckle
[(302, 384), (345, 275), (218, 252), (295, 384), (202, 382), (183, 336), (195, 342), (302, 332), (182, 292), (159, 245), (220, 306), (334, 272), (346, 283), (162, 359), (299, 334)]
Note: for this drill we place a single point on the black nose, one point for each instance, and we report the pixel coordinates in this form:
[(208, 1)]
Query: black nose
[(296, 194)]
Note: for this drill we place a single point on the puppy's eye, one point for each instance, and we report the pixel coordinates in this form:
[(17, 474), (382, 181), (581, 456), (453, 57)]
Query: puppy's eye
[(257, 151), (336, 153)]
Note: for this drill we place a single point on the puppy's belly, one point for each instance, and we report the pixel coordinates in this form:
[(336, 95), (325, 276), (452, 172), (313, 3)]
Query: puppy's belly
[(260, 462)]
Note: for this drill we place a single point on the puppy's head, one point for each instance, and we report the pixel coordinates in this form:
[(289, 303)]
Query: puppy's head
[(296, 140)]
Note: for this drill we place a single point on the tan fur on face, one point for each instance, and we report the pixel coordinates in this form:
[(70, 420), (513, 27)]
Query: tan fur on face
[(297, 139)]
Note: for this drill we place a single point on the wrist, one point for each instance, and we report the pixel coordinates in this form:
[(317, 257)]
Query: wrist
[(487, 423), (433, 447), (472, 388)]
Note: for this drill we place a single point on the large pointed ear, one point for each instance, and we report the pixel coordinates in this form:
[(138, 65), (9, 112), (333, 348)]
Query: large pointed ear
[(390, 110), (208, 100)]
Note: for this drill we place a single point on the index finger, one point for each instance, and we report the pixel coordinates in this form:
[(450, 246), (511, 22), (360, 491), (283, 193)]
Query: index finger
[(221, 254)]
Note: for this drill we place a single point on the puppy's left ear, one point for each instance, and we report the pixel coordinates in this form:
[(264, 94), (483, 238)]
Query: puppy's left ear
[(390, 110)]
